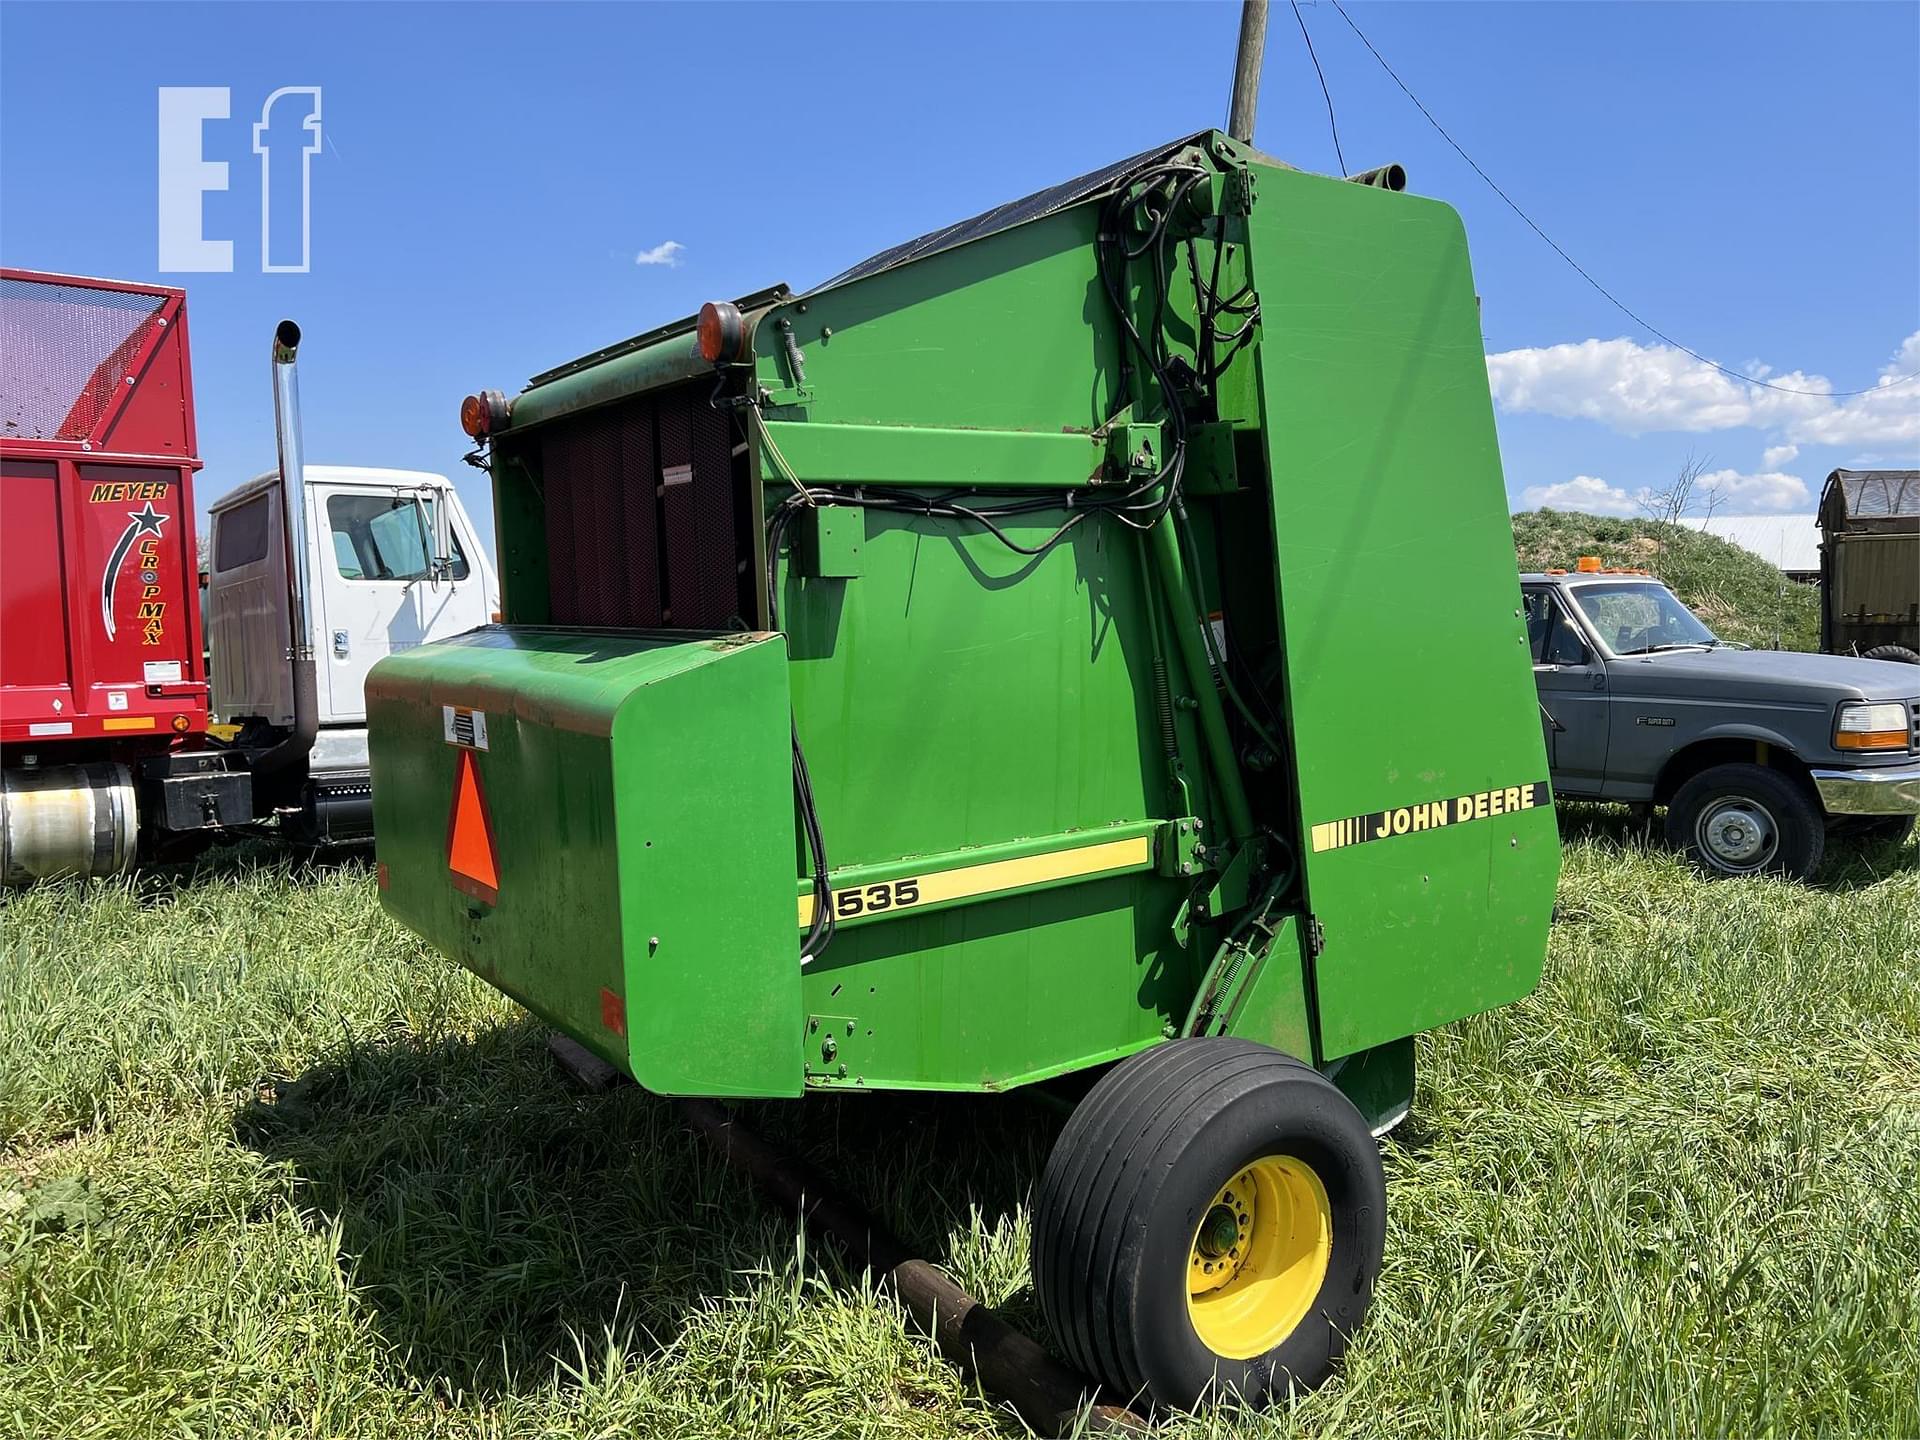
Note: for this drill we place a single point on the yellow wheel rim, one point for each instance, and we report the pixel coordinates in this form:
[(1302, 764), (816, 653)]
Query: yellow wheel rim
[(1258, 1257)]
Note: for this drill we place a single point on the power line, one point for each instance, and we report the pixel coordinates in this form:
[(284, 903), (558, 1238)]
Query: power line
[(1332, 124), (1579, 269)]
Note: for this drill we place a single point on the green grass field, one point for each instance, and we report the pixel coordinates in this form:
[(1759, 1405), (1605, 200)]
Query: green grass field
[(267, 1167)]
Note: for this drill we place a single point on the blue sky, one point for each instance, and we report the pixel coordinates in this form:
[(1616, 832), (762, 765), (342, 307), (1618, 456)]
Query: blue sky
[(1746, 175)]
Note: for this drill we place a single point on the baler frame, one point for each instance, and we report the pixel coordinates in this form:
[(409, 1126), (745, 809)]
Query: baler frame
[(1115, 798)]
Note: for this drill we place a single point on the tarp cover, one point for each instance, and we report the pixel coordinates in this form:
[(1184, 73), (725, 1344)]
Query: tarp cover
[(1869, 495), (1015, 212)]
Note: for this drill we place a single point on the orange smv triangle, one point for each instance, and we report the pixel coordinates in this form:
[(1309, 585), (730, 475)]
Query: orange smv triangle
[(470, 836)]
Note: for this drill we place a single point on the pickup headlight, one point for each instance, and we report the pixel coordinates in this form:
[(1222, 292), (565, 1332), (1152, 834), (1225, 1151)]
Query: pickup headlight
[(1871, 725)]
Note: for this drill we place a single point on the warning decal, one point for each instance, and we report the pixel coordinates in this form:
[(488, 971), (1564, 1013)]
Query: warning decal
[(470, 853), (464, 727), (1430, 815)]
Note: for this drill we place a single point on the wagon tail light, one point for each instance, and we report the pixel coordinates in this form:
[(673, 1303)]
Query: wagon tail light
[(1871, 727), (481, 415)]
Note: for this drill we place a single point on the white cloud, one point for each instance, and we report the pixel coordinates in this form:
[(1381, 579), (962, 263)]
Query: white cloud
[(1638, 388), (1729, 491), (1777, 455), (1887, 414), (1588, 494), (667, 253), (1635, 388), (1769, 492)]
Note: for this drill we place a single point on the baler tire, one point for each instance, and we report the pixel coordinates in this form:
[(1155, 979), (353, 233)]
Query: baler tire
[(1898, 653), (1140, 1173), (1800, 829)]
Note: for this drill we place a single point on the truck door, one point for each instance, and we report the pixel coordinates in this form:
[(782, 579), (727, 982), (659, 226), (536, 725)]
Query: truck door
[(1575, 707), (378, 593)]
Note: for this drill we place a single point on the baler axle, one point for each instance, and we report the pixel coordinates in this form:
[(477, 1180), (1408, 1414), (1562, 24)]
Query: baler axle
[(1047, 1394)]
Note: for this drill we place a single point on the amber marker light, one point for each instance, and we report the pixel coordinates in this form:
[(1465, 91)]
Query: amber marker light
[(721, 333), (482, 414)]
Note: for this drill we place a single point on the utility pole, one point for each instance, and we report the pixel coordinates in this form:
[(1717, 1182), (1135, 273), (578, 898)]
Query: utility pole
[(1246, 69)]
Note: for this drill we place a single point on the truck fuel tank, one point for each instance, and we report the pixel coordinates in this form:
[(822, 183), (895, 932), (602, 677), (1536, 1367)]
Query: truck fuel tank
[(66, 821)]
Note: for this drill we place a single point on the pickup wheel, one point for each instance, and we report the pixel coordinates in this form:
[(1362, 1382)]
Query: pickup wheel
[(1893, 652), (1747, 820)]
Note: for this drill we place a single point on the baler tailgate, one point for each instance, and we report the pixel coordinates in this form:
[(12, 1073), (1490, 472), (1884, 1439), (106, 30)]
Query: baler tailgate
[(1397, 581)]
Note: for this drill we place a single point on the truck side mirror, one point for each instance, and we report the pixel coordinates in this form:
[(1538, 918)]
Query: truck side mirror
[(443, 533)]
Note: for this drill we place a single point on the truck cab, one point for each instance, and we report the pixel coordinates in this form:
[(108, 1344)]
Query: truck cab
[(395, 562), (1758, 755)]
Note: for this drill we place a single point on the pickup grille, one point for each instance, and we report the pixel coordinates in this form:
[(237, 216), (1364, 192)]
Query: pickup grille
[(1913, 739), (645, 511)]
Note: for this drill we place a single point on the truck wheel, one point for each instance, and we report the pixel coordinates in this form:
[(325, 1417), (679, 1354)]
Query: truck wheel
[(1210, 1222), (1747, 820), (1893, 652)]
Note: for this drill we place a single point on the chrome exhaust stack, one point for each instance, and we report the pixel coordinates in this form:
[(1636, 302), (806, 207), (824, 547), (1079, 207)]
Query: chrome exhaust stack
[(293, 514)]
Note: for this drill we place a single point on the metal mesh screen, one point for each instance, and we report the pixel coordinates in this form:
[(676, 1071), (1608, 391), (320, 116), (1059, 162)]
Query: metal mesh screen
[(696, 506), (64, 354), (642, 516)]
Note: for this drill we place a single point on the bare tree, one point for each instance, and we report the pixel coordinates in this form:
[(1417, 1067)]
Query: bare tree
[(1684, 496)]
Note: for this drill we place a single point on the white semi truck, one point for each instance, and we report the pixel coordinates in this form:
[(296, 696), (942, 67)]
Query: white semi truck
[(108, 703), (392, 561)]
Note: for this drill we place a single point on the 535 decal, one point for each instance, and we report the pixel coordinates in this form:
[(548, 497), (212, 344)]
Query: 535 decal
[(872, 899)]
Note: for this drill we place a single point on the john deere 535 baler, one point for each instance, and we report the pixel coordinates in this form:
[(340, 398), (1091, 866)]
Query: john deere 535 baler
[(1086, 636)]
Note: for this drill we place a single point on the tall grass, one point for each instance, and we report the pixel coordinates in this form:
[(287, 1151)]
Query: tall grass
[(268, 1167)]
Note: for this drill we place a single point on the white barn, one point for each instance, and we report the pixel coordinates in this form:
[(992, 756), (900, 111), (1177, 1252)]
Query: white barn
[(1790, 541)]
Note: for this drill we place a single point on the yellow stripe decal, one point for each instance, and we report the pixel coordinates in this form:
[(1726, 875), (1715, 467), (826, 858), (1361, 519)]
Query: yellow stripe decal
[(128, 722), (971, 881)]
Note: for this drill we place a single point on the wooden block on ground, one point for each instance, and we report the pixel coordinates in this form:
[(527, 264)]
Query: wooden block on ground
[(587, 1068)]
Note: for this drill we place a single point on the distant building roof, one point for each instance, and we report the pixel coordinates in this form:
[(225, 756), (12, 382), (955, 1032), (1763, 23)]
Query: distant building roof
[(1790, 541)]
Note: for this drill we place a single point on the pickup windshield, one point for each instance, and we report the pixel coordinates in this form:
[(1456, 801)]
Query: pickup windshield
[(1639, 617)]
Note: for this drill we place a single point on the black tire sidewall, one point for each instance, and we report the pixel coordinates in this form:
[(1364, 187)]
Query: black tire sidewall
[(1894, 654), (1801, 823), (1284, 1114)]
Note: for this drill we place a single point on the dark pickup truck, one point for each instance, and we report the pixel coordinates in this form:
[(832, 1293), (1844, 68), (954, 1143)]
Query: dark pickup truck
[(1758, 755)]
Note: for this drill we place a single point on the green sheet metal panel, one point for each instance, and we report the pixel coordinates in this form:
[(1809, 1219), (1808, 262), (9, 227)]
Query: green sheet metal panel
[(955, 695), (995, 335), (639, 793), (952, 696), (999, 993), (1407, 673)]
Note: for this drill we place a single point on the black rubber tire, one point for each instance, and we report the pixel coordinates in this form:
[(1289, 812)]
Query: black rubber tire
[(1801, 827), (1893, 652), (1128, 1182)]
